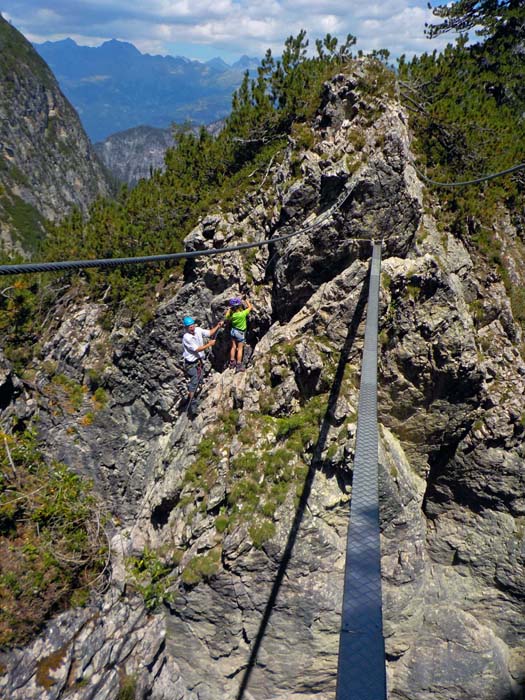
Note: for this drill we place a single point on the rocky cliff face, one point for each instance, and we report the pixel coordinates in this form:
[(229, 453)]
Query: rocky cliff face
[(246, 505), (47, 164), (131, 155)]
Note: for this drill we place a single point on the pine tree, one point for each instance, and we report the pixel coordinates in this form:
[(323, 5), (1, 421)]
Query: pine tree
[(491, 18)]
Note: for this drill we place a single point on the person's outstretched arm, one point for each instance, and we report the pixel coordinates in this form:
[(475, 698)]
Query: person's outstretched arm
[(216, 328)]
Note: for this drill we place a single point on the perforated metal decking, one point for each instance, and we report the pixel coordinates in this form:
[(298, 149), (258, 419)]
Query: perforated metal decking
[(361, 671)]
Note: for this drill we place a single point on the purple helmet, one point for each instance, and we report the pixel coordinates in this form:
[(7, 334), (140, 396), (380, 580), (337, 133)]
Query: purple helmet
[(235, 301)]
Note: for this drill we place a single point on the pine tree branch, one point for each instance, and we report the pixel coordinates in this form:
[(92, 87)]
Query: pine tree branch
[(9, 458)]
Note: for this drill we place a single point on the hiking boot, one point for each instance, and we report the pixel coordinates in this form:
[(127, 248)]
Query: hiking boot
[(239, 367), (182, 406), (232, 364)]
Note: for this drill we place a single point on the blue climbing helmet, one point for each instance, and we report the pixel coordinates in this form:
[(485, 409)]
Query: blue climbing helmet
[(188, 321), (235, 301)]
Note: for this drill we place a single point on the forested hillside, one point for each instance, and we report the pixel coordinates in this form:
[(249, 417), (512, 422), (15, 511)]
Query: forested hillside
[(467, 108)]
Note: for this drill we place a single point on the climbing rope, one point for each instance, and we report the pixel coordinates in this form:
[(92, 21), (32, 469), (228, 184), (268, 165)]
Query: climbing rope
[(361, 671)]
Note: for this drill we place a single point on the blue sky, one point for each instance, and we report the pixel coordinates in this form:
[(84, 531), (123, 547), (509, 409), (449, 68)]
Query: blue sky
[(203, 29)]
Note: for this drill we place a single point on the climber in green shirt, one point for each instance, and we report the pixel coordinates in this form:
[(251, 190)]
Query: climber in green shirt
[(236, 316)]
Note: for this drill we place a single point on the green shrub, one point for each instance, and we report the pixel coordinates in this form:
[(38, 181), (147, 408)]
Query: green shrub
[(269, 507), (202, 568), (244, 494), (246, 462), (517, 300), (222, 522), (150, 575), (261, 532), (100, 397), (357, 138), (128, 688), (73, 392), (52, 545)]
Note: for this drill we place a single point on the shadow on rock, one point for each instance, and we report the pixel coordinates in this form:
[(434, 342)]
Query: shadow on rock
[(315, 465)]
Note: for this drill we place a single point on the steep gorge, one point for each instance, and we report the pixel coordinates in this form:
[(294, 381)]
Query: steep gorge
[(217, 499)]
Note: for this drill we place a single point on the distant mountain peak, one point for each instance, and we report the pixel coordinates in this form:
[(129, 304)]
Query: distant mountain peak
[(113, 44), (218, 63), (245, 62), (115, 87), (64, 43)]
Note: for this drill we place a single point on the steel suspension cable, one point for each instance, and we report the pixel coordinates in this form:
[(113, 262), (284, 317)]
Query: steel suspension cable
[(309, 225), (25, 268), (476, 181)]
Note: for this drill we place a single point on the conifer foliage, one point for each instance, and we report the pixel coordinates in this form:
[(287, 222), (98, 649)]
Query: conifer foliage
[(500, 25), (202, 170), (491, 18), (468, 101), (468, 110)]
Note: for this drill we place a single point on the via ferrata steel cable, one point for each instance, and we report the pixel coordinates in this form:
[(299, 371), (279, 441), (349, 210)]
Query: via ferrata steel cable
[(309, 225), (476, 181)]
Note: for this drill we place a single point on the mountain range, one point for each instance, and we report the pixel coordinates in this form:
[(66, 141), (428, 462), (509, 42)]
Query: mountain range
[(115, 87)]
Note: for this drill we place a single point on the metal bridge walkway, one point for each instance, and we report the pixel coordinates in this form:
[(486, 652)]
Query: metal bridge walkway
[(361, 671)]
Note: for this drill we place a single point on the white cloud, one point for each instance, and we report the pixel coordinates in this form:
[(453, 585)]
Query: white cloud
[(47, 16), (225, 27), (330, 24)]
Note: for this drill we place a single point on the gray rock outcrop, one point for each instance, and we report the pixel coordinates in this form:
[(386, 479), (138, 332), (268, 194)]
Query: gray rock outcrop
[(133, 154), (247, 503)]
